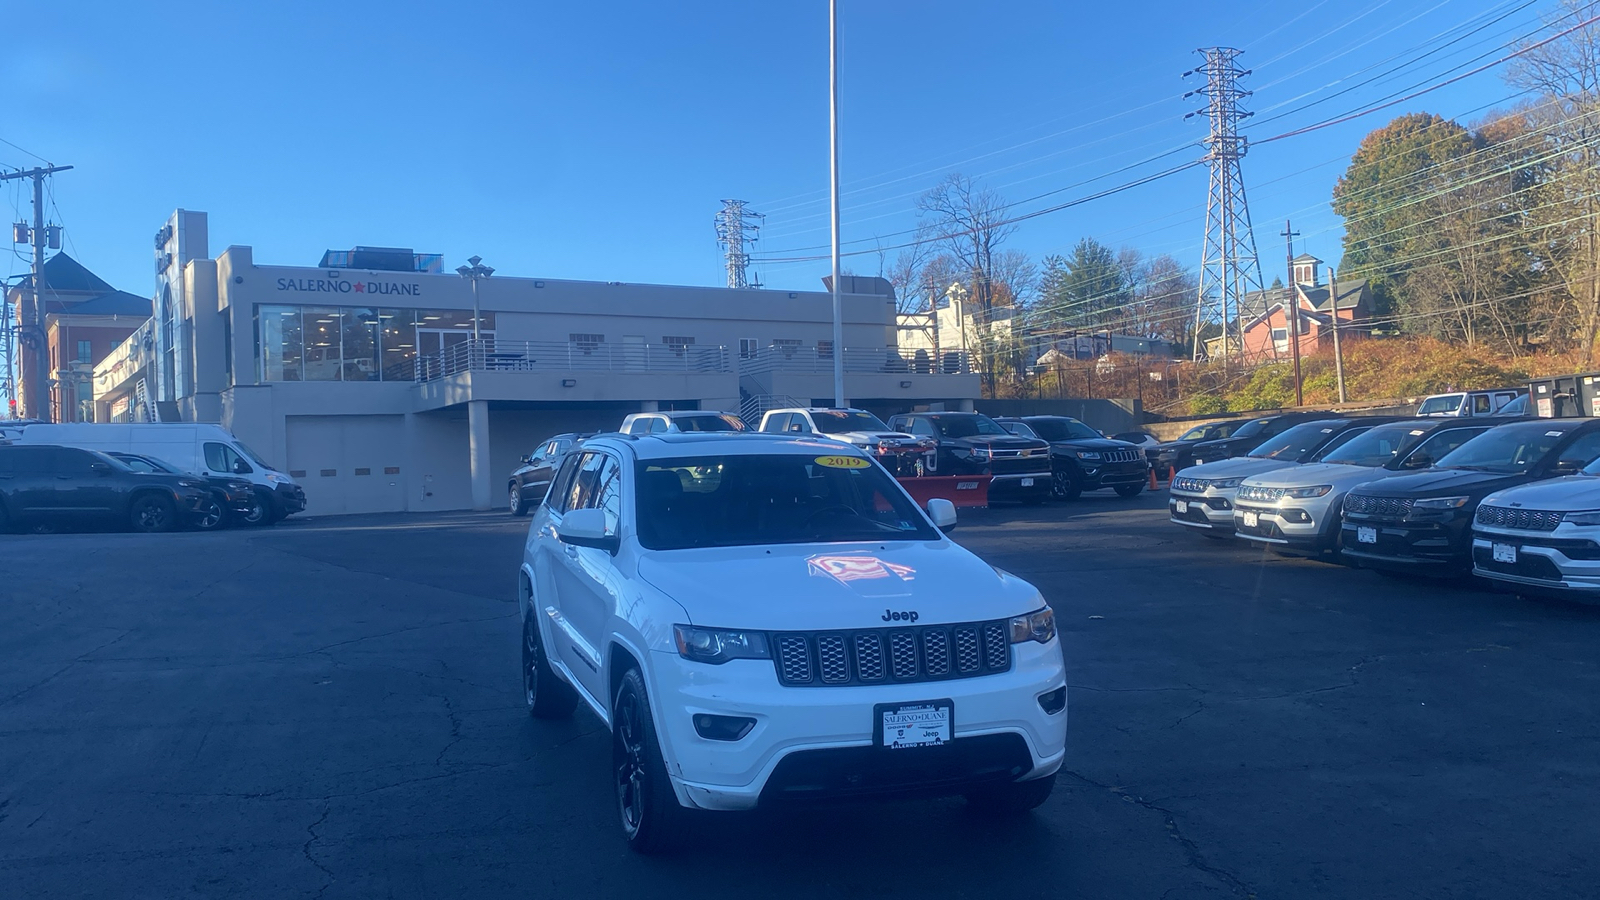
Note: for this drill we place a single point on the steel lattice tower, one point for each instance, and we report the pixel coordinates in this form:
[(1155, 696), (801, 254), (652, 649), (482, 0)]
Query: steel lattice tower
[(1229, 267), (737, 229)]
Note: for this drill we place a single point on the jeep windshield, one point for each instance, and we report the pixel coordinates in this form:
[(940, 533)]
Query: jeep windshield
[(735, 501), (1444, 403), (708, 423), (1297, 441), (836, 421), (967, 426), (1062, 429), (1376, 446), (1509, 449)]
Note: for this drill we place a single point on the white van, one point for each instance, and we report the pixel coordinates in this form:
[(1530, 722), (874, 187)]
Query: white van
[(1469, 403), (194, 448)]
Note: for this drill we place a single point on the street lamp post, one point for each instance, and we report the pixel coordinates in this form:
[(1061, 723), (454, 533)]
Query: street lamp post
[(473, 272)]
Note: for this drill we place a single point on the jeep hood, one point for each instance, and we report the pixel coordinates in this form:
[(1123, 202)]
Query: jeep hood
[(816, 587), (870, 437), (1093, 444), (1237, 467), (1444, 482), (1568, 494), (1342, 477)]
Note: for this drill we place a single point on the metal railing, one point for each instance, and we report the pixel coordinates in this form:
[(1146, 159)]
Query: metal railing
[(776, 358), (494, 355)]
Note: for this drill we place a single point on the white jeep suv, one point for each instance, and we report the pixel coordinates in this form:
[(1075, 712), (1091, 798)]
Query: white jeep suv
[(762, 620)]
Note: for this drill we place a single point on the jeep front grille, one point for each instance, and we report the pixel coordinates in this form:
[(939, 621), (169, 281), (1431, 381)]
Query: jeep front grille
[(892, 655), (1521, 519), (1121, 456), (1377, 507)]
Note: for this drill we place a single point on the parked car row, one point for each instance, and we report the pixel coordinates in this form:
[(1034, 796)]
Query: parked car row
[(145, 477), (1029, 459), (1512, 500)]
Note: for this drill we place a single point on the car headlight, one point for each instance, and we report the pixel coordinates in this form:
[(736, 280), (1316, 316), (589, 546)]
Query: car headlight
[(980, 453), (1320, 490), (710, 645), (275, 478), (1088, 454), (191, 484), (1039, 625), (1442, 503), (1226, 483), (1582, 517)]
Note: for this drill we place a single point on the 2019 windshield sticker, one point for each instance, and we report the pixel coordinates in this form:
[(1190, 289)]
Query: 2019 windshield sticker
[(842, 462)]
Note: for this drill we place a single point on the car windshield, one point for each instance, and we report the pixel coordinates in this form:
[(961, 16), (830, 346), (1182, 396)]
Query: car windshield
[(1020, 429), (110, 460), (967, 426), (1444, 403), (839, 421), (1517, 407), (1376, 446), (717, 422), (145, 464), (1507, 450), (1063, 429), (1248, 429), (254, 456), (1296, 442), (732, 501)]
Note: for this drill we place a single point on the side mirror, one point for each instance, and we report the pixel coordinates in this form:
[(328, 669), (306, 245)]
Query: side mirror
[(100, 469), (587, 528), (1567, 467), (240, 467), (943, 514), (1418, 461), (526, 459)]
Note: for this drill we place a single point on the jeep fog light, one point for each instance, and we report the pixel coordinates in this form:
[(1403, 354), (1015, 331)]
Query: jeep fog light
[(723, 728), (1054, 701), (1039, 625)]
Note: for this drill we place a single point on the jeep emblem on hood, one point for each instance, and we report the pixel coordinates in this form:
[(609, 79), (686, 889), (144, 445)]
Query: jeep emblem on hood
[(909, 615)]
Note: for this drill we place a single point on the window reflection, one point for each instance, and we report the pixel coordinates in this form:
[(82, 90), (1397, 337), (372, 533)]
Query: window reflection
[(312, 343), (323, 351), (280, 343)]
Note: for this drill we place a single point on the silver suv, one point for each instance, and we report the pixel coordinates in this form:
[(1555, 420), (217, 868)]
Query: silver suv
[(680, 421)]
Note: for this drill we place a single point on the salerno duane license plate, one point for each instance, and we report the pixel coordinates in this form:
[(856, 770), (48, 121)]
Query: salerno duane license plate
[(922, 724)]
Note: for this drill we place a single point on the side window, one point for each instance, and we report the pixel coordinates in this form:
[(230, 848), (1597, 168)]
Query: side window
[(1584, 449), (776, 423), (658, 425), (585, 481), (31, 461), (799, 424), (561, 486), (1482, 405), (922, 427), (1439, 444), (69, 461), (222, 458), (607, 496)]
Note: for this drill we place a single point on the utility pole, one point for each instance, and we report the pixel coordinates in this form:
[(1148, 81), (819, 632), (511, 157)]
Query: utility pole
[(1229, 264), (1289, 234), (737, 228), (1338, 353), (833, 169), (30, 319)]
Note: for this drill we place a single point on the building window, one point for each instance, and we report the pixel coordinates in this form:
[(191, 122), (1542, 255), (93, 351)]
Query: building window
[(824, 349), (85, 351), (748, 348), (787, 346), (309, 343), (1280, 335), (586, 343), (677, 343)]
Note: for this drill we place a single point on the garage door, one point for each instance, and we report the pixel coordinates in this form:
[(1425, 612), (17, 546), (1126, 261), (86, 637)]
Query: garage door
[(350, 464)]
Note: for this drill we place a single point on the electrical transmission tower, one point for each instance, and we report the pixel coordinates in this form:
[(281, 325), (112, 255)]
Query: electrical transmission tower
[(737, 228), (1229, 267)]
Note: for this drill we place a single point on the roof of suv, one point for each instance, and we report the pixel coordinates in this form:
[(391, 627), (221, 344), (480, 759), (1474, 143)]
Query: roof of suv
[(680, 413), (721, 443)]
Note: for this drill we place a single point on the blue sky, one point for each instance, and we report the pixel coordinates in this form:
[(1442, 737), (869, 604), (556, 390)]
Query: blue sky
[(595, 140)]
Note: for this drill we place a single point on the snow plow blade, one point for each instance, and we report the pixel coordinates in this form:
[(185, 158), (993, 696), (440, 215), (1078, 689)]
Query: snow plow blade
[(962, 490)]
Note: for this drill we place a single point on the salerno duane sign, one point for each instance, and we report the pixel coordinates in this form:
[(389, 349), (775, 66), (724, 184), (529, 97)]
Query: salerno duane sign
[(334, 284)]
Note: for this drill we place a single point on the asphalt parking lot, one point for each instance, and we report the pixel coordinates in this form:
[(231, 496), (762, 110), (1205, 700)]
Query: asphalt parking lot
[(331, 708)]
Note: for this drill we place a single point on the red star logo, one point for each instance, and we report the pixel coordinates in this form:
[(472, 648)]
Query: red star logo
[(361, 287)]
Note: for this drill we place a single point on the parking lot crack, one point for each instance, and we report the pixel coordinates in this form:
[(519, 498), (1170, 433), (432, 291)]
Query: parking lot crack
[(305, 850), (1192, 853), (455, 730)]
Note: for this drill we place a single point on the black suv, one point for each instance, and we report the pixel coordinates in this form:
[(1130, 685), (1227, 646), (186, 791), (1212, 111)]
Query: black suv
[(1249, 436), (531, 480), (1179, 454), (1423, 522), (1081, 459), (43, 485), (232, 499), (974, 444)]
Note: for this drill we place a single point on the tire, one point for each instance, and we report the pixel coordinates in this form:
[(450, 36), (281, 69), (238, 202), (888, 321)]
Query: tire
[(1014, 798), (211, 516), (152, 514), (1129, 490), (1065, 484), (261, 513), (648, 810), (548, 696), (517, 506)]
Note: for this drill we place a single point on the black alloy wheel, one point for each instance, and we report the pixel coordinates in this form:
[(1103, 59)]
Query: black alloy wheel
[(518, 509), (1065, 484), (548, 696), (651, 817), (260, 511), (151, 514), (210, 515)]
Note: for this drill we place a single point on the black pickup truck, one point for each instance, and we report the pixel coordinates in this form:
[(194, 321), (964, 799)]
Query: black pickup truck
[(1082, 459), (974, 444)]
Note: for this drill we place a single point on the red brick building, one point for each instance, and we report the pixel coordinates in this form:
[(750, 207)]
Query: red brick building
[(1267, 335)]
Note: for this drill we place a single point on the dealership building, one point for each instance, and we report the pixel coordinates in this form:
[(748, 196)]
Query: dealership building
[(372, 381)]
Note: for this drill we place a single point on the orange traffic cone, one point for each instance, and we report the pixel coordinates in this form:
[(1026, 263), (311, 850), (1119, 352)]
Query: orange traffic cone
[(1152, 478)]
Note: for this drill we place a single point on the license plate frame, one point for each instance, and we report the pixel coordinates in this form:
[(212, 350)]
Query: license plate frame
[(1366, 534), (1027, 482), (923, 723), (1180, 506), (1504, 553), (1251, 518)]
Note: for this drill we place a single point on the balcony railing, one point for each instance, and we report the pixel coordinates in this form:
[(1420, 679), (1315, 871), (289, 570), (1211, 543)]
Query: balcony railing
[(493, 355), (776, 358), (128, 357)]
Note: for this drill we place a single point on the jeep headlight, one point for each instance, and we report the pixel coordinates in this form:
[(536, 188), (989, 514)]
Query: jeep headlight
[(1226, 483), (715, 646), (1582, 517), (1441, 503), (1039, 625), (1088, 454), (1303, 493)]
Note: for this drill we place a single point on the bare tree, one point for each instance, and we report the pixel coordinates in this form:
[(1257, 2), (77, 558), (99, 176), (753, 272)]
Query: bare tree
[(969, 224)]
